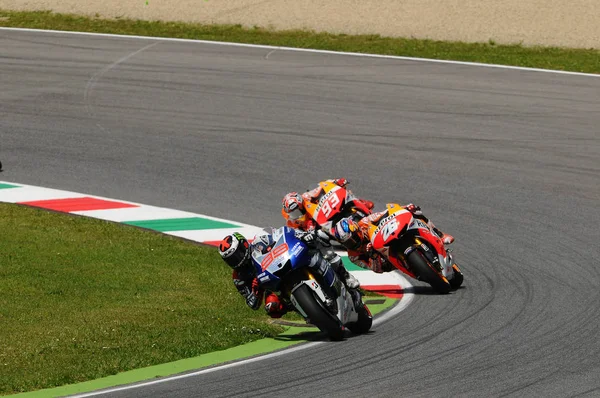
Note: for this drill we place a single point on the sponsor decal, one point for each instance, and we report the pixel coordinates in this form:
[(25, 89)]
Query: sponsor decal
[(327, 203), (416, 223), (325, 197), (382, 223), (297, 249)]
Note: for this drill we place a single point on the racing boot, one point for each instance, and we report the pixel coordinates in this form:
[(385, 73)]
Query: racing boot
[(336, 263), (349, 280), (447, 239), (356, 299), (330, 282)]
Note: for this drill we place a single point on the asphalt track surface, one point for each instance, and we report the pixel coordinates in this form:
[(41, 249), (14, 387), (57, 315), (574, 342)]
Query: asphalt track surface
[(508, 161)]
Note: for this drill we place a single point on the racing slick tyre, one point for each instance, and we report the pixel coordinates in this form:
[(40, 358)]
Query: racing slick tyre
[(457, 279), (426, 273), (317, 314)]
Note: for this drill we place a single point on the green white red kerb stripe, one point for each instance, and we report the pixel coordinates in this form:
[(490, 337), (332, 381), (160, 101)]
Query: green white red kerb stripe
[(196, 227)]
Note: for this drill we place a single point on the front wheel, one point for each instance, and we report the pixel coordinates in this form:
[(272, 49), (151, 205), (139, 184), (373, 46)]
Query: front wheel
[(426, 273), (317, 314), (458, 277)]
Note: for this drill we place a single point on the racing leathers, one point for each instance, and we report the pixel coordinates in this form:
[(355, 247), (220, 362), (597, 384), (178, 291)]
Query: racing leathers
[(323, 244), (246, 282), (294, 212)]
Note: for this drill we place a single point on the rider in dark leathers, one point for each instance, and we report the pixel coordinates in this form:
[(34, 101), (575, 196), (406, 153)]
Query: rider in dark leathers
[(236, 251)]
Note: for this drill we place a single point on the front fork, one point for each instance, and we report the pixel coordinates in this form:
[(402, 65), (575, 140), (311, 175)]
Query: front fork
[(442, 264)]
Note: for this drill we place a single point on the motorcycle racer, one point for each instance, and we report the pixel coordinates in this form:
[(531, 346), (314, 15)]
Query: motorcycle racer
[(235, 250), (293, 209), (354, 238), (359, 248)]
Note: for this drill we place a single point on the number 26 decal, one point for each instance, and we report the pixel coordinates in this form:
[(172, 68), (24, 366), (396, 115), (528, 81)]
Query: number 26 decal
[(388, 229)]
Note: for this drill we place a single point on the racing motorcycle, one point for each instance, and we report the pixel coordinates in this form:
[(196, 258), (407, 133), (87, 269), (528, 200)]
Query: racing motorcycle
[(413, 248), (330, 203), (282, 265)]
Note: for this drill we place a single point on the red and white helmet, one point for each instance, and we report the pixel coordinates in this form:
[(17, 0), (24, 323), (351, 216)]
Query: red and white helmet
[(293, 206)]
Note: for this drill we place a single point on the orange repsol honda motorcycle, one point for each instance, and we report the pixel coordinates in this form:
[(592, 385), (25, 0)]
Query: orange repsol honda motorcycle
[(412, 247)]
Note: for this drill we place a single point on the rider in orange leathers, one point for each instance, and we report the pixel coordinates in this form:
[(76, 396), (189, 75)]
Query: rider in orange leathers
[(296, 216), (294, 212), (355, 239)]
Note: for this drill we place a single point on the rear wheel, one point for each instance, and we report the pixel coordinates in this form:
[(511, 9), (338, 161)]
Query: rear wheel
[(317, 314), (426, 273)]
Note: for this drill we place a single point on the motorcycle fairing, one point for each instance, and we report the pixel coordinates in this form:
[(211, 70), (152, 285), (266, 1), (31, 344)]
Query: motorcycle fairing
[(399, 222), (325, 204), (284, 253), (329, 202)]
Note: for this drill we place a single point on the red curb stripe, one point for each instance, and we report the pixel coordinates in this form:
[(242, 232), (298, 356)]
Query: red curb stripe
[(392, 291), (77, 204)]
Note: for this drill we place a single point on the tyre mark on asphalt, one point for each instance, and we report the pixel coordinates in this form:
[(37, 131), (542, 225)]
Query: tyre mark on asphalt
[(89, 87)]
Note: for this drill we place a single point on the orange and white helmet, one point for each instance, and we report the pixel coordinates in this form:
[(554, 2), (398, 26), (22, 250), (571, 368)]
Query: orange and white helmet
[(293, 206)]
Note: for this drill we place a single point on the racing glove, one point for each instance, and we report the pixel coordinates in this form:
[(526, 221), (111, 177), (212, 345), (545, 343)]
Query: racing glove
[(416, 210), (252, 301), (310, 225), (253, 295), (308, 237), (342, 182)]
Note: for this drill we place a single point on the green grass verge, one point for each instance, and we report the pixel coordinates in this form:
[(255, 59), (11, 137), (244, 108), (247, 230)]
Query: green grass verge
[(88, 304), (578, 60), (82, 299), (292, 336)]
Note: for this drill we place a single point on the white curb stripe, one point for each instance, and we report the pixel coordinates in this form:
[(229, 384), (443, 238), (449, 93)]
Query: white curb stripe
[(29, 193), (141, 213), (267, 47), (369, 278)]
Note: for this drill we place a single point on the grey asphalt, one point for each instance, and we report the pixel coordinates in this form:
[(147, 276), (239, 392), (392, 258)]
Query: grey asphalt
[(508, 161)]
